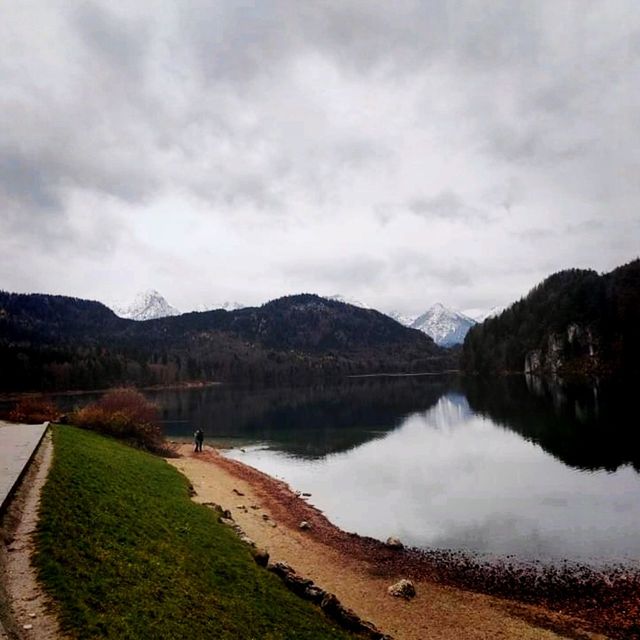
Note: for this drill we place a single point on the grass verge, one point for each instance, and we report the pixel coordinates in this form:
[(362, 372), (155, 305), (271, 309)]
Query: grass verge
[(126, 554)]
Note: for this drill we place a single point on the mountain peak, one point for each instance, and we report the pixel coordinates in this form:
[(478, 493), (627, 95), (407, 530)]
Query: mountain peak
[(146, 305), (445, 326)]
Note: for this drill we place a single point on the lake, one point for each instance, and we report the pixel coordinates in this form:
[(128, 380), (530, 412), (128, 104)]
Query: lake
[(495, 467)]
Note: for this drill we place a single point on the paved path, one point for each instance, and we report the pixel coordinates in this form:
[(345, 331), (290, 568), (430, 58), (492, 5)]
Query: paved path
[(18, 443)]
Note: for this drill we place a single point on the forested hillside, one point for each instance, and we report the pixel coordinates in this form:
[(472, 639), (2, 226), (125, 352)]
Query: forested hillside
[(575, 322), (56, 342)]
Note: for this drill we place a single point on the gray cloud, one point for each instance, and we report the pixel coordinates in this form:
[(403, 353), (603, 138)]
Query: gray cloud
[(114, 41), (447, 205), (22, 180), (337, 272)]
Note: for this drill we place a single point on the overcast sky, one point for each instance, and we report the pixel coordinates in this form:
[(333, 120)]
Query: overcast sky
[(400, 153)]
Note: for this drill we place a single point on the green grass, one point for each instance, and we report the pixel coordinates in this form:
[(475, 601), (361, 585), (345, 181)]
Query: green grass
[(126, 554)]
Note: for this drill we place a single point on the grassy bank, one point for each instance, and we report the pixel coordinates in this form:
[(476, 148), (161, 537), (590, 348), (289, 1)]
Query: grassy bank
[(126, 554)]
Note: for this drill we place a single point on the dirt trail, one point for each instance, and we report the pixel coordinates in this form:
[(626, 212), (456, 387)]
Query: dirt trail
[(270, 513), (27, 607)]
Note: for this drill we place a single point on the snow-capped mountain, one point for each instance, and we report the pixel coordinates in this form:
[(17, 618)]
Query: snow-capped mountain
[(407, 321), (445, 326), (212, 306), (352, 301), (147, 305)]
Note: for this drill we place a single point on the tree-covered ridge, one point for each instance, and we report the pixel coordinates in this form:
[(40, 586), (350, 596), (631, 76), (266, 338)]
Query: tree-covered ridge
[(574, 322), (56, 342)]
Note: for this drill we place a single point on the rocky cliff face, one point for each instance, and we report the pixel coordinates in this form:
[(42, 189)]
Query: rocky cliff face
[(574, 350)]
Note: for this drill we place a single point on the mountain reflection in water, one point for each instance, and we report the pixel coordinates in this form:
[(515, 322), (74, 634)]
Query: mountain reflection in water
[(449, 477), (587, 427)]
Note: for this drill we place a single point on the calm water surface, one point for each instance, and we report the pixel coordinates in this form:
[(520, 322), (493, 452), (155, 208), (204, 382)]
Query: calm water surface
[(450, 478), (506, 466)]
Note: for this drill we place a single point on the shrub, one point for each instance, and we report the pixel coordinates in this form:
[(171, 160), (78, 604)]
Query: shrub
[(125, 414), (34, 410)]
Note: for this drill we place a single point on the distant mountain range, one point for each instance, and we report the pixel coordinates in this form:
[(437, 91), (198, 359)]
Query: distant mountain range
[(57, 342), (151, 304), (445, 326), (575, 322)]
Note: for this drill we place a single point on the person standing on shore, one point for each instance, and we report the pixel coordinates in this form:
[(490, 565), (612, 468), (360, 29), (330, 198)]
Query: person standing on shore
[(198, 436)]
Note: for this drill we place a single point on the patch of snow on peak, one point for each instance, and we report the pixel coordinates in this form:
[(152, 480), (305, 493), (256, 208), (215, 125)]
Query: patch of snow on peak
[(227, 305), (351, 301), (492, 313), (407, 321)]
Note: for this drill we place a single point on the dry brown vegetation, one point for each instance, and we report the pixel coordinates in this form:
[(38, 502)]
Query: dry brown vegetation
[(124, 414), (33, 410)]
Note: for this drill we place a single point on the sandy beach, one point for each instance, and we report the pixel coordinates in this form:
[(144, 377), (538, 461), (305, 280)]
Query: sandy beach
[(359, 570)]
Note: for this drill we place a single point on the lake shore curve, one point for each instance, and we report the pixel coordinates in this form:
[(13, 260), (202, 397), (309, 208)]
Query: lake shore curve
[(458, 596)]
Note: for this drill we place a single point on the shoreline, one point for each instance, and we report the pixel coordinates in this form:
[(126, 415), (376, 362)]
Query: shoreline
[(573, 601), (10, 396)]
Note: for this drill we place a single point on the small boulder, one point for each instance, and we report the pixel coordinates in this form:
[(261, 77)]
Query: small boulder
[(330, 604), (297, 583), (348, 618), (394, 543), (228, 521), (402, 589), (214, 506), (261, 556), (281, 569), (304, 525), (247, 540), (315, 593)]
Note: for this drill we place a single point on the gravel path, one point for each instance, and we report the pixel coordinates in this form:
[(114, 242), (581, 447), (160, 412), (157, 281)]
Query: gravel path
[(28, 607)]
